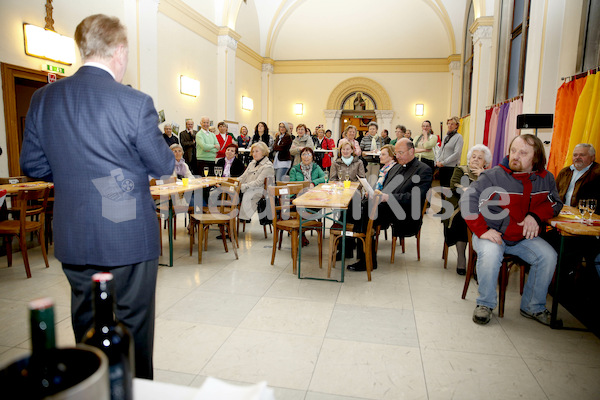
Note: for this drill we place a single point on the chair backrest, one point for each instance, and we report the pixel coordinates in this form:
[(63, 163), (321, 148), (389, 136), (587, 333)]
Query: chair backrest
[(280, 200), (13, 179), (373, 213), (305, 184), (225, 198), (171, 179), (36, 208)]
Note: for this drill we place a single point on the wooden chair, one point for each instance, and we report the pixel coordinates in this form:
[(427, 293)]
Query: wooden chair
[(224, 214), (507, 262), (366, 237), (285, 219), (29, 207), (266, 183), (417, 236)]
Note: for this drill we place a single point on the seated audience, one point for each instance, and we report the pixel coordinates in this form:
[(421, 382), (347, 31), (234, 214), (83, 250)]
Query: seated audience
[(307, 170), (396, 182), (512, 226), (455, 228), (182, 170), (253, 179), (581, 180), (231, 164), (301, 141), (347, 164), (168, 135)]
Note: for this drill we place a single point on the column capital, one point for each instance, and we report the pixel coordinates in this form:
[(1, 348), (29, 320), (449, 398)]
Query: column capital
[(388, 114), (482, 33), (267, 68), (454, 66), (332, 113), (227, 41)]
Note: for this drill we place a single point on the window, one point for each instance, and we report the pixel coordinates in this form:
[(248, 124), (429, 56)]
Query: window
[(589, 48), (467, 67), (517, 48)]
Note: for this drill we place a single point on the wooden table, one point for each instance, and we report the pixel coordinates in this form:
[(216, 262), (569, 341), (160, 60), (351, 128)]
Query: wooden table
[(332, 196), (571, 229), (13, 188), (167, 192)]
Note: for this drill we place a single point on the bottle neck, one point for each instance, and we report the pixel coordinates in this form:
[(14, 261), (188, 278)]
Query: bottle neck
[(42, 328), (103, 304)]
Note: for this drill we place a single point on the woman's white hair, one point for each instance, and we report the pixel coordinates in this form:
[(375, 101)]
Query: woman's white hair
[(487, 154)]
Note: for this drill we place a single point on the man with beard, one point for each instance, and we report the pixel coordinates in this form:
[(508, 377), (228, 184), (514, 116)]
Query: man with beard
[(505, 209)]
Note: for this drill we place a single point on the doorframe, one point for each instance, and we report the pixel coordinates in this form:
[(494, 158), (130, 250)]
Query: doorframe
[(9, 73)]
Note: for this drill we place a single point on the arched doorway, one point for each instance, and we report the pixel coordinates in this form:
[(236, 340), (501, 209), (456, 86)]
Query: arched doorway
[(341, 106)]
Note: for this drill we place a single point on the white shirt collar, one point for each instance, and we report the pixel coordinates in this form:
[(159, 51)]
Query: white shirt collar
[(582, 171), (101, 66)]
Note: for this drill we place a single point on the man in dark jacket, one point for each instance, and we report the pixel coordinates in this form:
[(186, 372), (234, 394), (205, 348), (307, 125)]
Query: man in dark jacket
[(580, 180), (404, 191), (188, 142), (505, 209)]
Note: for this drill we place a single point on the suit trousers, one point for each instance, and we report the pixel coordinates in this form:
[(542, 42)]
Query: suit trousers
[(135, 293)]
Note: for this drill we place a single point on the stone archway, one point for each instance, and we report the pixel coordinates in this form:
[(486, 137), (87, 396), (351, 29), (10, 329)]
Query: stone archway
[(384, 112)]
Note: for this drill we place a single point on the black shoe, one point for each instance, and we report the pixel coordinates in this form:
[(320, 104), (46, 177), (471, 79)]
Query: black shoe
[(360, 265), (338, 255), (246, 221), (461, 271), (221, 237)]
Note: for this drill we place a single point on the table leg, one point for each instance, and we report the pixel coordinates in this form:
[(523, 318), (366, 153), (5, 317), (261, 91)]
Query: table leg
[(170, 231), (343, 243)]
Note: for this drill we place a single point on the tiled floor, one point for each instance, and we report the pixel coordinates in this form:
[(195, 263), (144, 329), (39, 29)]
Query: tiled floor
[(405, 335)]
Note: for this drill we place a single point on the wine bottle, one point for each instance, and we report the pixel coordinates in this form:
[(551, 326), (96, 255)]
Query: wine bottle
[(46, 375), (112, 337)]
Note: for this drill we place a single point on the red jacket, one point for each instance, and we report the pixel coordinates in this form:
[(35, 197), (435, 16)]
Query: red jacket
[(223, 144)]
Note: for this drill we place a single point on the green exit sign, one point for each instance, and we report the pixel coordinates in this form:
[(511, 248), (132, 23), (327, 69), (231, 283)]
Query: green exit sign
[(358, 116), (53, 68)]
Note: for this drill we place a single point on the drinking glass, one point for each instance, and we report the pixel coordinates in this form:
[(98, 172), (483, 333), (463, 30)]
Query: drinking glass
[(582, 209), (591, 206), (218, 172), (205, 172)]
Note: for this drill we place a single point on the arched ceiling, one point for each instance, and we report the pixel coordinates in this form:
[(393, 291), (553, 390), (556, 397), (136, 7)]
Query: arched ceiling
[(343, 29)]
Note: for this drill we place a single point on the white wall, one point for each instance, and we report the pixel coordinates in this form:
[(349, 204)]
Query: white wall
[(404, 89), (188, 55), (248, 84)]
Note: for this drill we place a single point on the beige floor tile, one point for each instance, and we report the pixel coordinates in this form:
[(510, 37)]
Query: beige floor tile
[(283, 360), (443, 331), (376, 294), (186, 347), (562, 380), (241, 282), (211, 308), (289, 286), (368, 370), (185, 276), (289, 316), (325, 396), (373, 325), (177, 378), (460, 375)]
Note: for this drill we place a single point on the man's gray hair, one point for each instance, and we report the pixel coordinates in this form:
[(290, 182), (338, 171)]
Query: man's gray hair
[(168, 124), (98, 36), (487, 154), (588, 146), (176, 146)]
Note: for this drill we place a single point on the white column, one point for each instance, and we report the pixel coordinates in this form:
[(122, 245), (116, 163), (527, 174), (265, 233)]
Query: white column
[(266, 94), (384, 119), (332, 121), (482, 85), (148, 47), (226, 49), (454, 88)]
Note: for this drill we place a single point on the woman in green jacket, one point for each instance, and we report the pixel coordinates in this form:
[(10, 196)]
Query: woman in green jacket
[(307, 170)]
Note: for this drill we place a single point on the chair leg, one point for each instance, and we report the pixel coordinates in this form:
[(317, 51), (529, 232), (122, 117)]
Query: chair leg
[(418, 236), (243, 226), (522, 278), (192, 230), (503, 283), (295, 251), (367, 243), (402, 242), (23, 245), (43, 246), (224, 236), (275, 235), (265, 230), (468, 275), (206, 227), (320, 242), (384, 235), (280, 239), (200, 241), (445, 256), (393, 256), (174, 226), (232, 239), (331, 260), (8, 245)]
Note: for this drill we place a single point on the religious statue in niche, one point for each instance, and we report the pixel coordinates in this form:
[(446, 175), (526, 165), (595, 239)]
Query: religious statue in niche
[(359, 102)]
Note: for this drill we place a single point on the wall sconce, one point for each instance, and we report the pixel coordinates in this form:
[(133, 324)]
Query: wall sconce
[(299, 109), (189, 86), (49, 45), (419, 110), (247, 103)]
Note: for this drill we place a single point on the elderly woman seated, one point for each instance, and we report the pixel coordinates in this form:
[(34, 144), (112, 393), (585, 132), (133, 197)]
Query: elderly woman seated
[(182, 170), (347, 165), (307, 170), (231, 164), (455, 229), (253, 179)]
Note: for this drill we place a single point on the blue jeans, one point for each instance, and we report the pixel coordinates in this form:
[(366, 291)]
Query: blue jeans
[(536, 252), (280, 173)]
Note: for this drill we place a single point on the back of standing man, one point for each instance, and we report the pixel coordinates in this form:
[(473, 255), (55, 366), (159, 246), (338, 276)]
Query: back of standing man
[(104, 216)]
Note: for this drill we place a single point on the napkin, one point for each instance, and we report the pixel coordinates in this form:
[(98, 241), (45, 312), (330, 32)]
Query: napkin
[(214, 388)]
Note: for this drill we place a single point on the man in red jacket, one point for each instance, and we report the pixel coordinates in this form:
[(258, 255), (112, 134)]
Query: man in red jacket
[(505, 209)]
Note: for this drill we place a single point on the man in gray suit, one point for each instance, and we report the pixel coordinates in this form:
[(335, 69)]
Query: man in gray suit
[(104, 216)]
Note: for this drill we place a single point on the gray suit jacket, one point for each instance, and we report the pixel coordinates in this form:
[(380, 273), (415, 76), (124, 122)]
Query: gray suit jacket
[(98, 141)]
